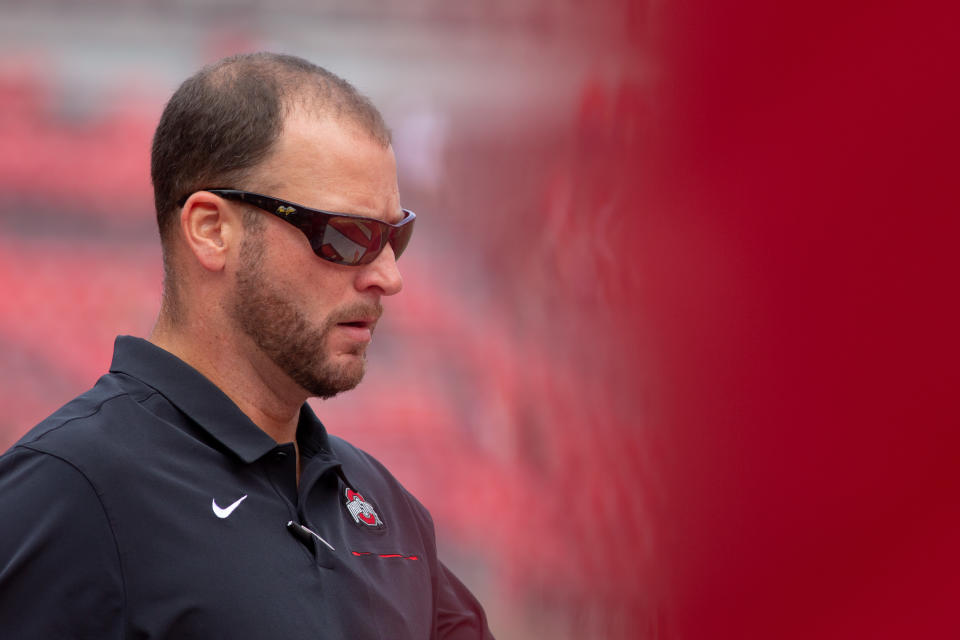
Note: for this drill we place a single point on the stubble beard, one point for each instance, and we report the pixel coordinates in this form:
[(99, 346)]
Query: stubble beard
[(285, 335)]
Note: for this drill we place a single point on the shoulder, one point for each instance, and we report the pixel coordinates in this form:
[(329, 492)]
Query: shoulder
[(53, 461), (86, 424), (59, 563), (41, 496)]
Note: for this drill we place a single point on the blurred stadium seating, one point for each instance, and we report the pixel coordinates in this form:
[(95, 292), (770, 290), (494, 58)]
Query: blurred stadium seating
[(476, 397)]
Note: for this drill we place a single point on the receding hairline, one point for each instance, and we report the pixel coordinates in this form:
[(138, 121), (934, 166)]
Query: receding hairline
[(263, 179), (303, 85), (304, 90)]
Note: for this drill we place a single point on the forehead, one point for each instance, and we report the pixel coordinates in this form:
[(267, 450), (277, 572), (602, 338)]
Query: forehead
[(331, 163)]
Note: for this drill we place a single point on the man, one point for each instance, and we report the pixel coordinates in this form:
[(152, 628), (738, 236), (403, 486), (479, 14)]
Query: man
[(192, 493)]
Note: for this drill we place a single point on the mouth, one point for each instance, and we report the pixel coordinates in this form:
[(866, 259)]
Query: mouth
[(356, 322), (360, 330), (360, 324)]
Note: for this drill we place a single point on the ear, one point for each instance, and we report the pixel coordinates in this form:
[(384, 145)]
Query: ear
[(211, 229)]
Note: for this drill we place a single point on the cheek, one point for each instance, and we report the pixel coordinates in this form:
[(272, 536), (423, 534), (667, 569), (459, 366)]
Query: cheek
[(322, 294), (317, 287)]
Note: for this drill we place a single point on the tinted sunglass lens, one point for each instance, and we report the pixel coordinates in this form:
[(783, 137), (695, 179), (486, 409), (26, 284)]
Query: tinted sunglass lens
[(354, 241), (348, 240), (401, 238)]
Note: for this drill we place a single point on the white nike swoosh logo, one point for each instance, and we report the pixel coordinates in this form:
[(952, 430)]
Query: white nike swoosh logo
[(223, 513)]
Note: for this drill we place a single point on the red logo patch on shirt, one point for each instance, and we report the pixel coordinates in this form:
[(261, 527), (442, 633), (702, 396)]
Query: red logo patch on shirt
[(361, 510)]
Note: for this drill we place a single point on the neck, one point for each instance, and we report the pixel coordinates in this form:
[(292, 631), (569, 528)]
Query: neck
[(251, 380)]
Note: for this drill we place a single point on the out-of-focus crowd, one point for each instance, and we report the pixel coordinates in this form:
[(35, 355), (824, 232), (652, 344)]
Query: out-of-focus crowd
[(502, 388)]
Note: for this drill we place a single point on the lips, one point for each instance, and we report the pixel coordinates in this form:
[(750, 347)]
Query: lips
[(358, 328), (358, 321), (366, 323), (356, 331)]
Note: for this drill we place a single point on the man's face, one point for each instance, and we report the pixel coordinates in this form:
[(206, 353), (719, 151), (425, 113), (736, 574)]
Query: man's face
[(314, 319)]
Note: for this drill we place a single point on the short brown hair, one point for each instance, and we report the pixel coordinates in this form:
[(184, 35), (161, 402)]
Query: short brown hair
[(223, 121)]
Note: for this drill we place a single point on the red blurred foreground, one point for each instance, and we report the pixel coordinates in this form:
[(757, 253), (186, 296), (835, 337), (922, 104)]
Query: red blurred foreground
[(800, 259)]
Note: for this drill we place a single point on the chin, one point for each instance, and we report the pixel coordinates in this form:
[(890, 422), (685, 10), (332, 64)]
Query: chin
[(333, 378)]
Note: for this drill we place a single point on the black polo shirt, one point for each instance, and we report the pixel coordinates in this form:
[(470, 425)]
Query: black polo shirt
[(152, 507)]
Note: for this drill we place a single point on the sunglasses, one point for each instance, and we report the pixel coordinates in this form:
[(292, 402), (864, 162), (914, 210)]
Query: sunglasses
[(341, 238)]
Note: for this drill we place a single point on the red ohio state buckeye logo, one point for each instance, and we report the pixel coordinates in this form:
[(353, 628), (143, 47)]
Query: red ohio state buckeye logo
[(361, 510)]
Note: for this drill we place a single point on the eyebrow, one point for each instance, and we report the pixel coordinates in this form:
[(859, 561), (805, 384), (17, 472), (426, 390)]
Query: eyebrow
[(374, 213)]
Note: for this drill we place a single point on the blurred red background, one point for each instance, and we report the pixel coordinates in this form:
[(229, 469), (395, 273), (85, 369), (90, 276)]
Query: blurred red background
[(676, 356)]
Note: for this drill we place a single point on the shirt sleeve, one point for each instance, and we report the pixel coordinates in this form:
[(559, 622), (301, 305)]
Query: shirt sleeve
[(59, 567), (459, 614)]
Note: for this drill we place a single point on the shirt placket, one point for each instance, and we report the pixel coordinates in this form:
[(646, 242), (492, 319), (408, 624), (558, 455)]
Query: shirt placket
[(319, 475)]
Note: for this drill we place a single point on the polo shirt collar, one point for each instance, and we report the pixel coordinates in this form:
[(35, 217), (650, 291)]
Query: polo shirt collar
[(193, 394)]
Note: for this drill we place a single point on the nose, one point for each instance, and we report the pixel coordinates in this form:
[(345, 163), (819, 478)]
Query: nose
[(382, 274)]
